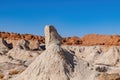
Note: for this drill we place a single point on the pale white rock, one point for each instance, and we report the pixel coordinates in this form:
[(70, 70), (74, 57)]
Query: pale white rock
[(34, 45), (21, 54), (56, 63), (23, 44), (111, 57), (51, 35), (4, 58), (87, 53), (4, 46)]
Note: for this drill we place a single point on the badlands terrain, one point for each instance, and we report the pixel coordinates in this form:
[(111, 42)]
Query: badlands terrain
[(51, 57)]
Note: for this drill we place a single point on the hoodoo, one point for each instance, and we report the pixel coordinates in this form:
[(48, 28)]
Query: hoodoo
[(56, 63), (51, 36)]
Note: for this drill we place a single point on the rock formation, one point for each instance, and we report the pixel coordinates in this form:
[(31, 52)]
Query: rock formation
[(15, 59), (4, 46), (55, 63), (87, 40), (34, 45), (14, 38), (23, 44), (51, 36), (95, 39), (92, 57), (22, 51), (72, 41)]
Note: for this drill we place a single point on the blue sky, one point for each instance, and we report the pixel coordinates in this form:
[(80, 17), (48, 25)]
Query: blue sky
[(70, 17)]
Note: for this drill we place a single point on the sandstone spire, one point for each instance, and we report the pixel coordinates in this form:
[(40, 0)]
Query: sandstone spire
[(51, 35), (56, 63)]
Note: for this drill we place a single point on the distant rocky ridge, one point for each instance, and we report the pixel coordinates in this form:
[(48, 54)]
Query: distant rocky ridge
[(17, 36), (87, 40)]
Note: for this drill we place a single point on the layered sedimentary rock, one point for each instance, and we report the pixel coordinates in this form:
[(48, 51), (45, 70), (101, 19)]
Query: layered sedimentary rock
[(56, 63), (92, 57), (51, 36), (87, 40), (14, 38), (95, 39), (4, 46), (15, 59), (72, 41)]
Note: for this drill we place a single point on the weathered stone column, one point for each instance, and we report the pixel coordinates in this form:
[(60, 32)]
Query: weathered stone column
[(51, 36)]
